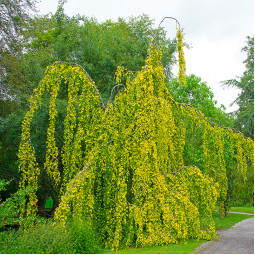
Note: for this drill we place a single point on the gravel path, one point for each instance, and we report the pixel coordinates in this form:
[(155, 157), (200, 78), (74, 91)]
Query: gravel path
[(242, 213), (236, 240)]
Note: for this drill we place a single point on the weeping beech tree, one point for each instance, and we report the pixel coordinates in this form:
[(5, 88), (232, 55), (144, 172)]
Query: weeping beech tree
[(123, 164)]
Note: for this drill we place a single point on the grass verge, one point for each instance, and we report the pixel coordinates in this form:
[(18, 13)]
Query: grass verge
[(246, 209), (230, 221)]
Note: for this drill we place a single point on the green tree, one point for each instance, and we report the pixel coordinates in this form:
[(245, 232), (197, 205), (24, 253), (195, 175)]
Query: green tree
[(15, 15), (244, 115), (197, 94), (10, 207)]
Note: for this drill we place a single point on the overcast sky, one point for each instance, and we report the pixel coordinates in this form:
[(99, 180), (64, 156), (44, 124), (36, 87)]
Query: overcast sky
[(216, 29)]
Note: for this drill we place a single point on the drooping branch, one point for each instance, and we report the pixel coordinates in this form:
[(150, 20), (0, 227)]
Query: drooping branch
[(184, 167), (177, 22), (84, 71), (84, 169), (88, 76), (155, 41), (209, 121), (178, 170), (112, 91), (199, 114), (141, 207)]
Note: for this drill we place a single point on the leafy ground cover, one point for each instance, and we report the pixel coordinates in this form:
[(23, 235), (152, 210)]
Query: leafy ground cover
[(51, 238)]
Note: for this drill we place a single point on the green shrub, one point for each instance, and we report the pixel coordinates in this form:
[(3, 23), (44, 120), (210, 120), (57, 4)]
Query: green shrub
[(83, 238), (77, 237)]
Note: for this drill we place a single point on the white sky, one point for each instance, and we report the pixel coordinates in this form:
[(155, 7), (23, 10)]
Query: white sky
[(216, 29)]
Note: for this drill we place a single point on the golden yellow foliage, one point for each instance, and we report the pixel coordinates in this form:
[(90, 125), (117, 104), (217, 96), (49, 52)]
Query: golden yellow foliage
[(123, 165)]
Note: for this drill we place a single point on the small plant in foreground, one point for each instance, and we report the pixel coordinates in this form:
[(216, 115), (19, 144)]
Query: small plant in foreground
[(51, 237)]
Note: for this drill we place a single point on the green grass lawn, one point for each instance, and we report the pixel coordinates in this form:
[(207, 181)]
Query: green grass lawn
[(228, 222), (246, 209)]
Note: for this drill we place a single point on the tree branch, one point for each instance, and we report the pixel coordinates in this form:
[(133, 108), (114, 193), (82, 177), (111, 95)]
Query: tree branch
[(178, 170), (195, 168), (88, 76), (84, 169), (110, 99), (177, 22), (202, 117)]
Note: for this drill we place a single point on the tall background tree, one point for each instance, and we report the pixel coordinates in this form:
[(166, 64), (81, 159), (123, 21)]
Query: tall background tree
[(14, 16), (244, 115), (199, 95)]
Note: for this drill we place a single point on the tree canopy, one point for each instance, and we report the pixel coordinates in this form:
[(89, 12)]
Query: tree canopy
[(15, 16), (199, 95)]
